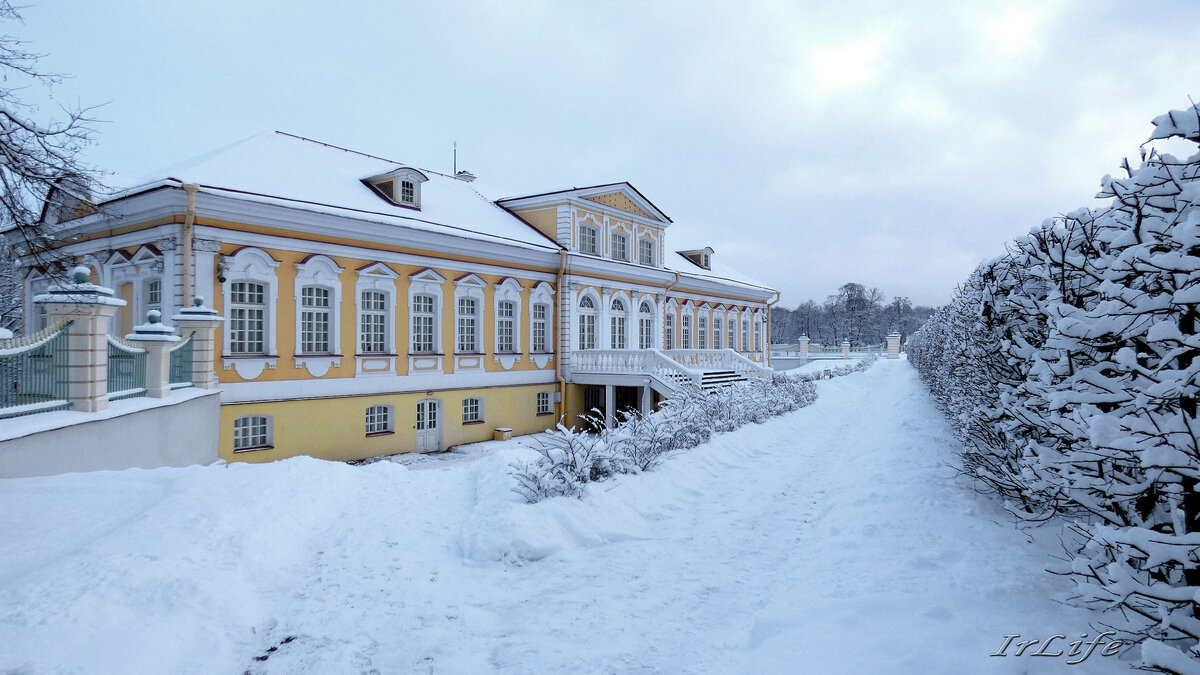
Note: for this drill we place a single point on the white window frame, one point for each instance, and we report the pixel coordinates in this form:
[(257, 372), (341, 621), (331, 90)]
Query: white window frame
[(702, 330), (364, 311), (379, 278), (247, 296), (758, 332), (310, 313), (646, 251), (717, 326), (507, 290), (731, 330), (426, 282), (380, 419), (545, 403), (267, 424), (424, 306), (618, 319), (469, 287), (542, 293), (589, 234), (746, 332), (645, 325), (472, 410), (619, 243), (321, 272), (669, 329), (256, 266), (587, 321), (466, 325)]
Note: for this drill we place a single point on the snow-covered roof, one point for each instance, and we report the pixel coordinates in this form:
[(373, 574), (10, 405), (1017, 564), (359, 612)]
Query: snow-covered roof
[(718, 269), (298, 172)]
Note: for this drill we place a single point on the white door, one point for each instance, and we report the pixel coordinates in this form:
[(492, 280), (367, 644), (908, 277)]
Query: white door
[(429, 428)]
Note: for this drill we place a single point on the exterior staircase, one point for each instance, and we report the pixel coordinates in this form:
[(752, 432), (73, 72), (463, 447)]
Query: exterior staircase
[(663, 370)]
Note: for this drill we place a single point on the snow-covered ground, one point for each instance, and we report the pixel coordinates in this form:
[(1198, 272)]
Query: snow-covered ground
[(830, 540)]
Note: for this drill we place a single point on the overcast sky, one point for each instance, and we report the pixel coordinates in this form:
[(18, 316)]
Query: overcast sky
[(896, 144)]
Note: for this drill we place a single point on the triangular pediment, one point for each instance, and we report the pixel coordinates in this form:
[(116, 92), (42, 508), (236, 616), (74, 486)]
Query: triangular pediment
[(619, 200), (377, 270), (427, 275), (470, 280)]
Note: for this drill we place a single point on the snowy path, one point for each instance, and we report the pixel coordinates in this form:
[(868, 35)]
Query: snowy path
[(830, 540)]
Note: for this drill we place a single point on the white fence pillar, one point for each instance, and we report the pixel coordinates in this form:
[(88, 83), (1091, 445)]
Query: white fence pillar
[(845, 349), (893, 346), (89, 308), (804, 347), (203, 320), (157, 340)]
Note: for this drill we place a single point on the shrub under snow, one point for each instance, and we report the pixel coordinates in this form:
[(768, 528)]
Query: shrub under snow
[(571, 458), (1069, 367)]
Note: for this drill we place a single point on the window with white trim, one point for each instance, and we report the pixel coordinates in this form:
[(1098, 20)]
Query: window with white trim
[(379, 420), (153, 295), (504, 327), (732, 327), (408, 192), (645, 326), (616, 325), (247, 312), (702, 332), (424, 313), (646, 252), (544, 406), (468, 326), (472, 410), (253, 432), (669, 330), (758, 335), (587, 323), (538, 329), (619, 247), (745, 335), (716, 332), (685, 330), (587, 239), (314, 320), (372, 322)]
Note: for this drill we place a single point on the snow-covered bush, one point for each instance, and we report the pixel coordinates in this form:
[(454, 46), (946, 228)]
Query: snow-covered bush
[(571, 458), (837, 371), (1069, 368)]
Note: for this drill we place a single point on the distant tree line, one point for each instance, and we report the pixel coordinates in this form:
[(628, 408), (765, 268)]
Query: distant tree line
[(856, 313)]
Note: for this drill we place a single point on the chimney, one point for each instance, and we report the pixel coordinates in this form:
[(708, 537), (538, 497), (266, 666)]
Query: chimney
[(465, 176)]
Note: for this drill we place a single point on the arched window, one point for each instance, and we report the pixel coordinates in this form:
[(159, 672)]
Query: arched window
[(468, 326), (505, 313), (314, 320), (424, 313), (617, 323), (247, 311), (380, 420), (645, 326), (541, 316), (587, 323), (373, 322), (253, 432)]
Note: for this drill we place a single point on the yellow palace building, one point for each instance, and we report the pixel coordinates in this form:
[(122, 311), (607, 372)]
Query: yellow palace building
[(372, 307)]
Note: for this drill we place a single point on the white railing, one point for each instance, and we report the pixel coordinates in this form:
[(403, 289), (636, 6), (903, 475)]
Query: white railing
[(641, 361), (718, 359)]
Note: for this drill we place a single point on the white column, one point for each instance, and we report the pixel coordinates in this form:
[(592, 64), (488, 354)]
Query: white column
[(157, 340), (89, 308), (804, 347), (610, 402)]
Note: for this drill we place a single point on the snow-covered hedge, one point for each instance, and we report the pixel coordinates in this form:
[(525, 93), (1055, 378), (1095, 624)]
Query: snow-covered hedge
[(838, 371), (571, 458), (1069, 367)]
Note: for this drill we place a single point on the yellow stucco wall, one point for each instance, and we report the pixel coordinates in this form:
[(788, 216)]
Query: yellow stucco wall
[(335, 428), (544, 219)]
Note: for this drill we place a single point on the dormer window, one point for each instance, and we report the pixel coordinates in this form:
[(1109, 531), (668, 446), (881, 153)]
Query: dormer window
[(401, 187), (700, 257)]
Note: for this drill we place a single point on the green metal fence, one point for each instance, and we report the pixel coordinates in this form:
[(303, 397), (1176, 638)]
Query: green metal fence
[(181, 362), (126, 370), (34, 373)]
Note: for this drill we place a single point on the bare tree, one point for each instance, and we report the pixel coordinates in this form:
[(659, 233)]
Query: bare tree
[(42, 178)]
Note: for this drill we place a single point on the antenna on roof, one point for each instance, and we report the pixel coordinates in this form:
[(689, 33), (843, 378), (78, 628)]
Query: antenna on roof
[(455, 169)]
